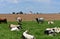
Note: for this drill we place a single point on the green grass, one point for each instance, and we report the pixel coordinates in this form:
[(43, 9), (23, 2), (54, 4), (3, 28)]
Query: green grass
[(34, 28)]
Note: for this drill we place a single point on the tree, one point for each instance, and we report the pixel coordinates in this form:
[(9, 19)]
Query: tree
[(30, 12), (37, 13), (20, 12), (13, 12), (17, 13)]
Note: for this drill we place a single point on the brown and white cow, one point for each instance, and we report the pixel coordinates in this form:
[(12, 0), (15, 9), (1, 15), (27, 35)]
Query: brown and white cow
[(3, 20)]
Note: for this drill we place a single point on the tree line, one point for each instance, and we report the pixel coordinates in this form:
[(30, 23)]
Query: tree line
[(17, 12)]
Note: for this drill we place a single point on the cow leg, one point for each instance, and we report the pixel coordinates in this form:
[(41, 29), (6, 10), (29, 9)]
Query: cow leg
[(5, 21), (38, 22), (0, 21), (41, 21), (19, 27)]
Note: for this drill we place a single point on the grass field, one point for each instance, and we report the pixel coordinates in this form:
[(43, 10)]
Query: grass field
[(34, 28)]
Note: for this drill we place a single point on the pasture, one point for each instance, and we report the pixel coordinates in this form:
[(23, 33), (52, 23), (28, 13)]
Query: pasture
[(34, 28)]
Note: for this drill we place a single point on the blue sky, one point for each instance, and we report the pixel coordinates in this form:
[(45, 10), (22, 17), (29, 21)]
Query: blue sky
[(42, 6)]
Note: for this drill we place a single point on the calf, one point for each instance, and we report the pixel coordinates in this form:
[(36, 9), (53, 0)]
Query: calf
[(40, 20), (3, 20), (27, 36), (50, 31), (50, 22), (15, 27), (19, 20)]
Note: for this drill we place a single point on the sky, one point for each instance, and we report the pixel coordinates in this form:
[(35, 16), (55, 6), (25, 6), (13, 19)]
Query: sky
[(41, 6)]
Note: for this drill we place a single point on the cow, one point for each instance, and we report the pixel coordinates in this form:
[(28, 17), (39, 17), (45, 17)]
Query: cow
[(50, 22), (15, 27), (52, 31), (27, 36), (3, 20), (19, 20), (39, 20)]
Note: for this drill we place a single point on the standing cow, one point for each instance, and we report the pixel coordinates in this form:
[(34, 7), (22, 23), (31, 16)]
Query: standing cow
[(19, 20), (3, 20), (40, 20)]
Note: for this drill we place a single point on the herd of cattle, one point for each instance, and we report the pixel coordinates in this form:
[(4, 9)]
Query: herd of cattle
[(48, 31)]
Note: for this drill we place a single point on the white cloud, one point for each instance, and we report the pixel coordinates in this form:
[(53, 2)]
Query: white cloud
[(17, 1), (39, 0), (1, 0), (10, 1), (1, 3), (43, 1), (13, 1)]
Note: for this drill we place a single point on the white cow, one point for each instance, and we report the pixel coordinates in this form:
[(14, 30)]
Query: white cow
[(15, 27), (27, 36), (19, 20), (57, 29), (52, 31), (50, 22)]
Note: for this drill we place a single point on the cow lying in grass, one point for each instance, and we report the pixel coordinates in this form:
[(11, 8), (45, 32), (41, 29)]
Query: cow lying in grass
[(50, 22), (52, 31), (15, 27), (27, 36), (49, 31)]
